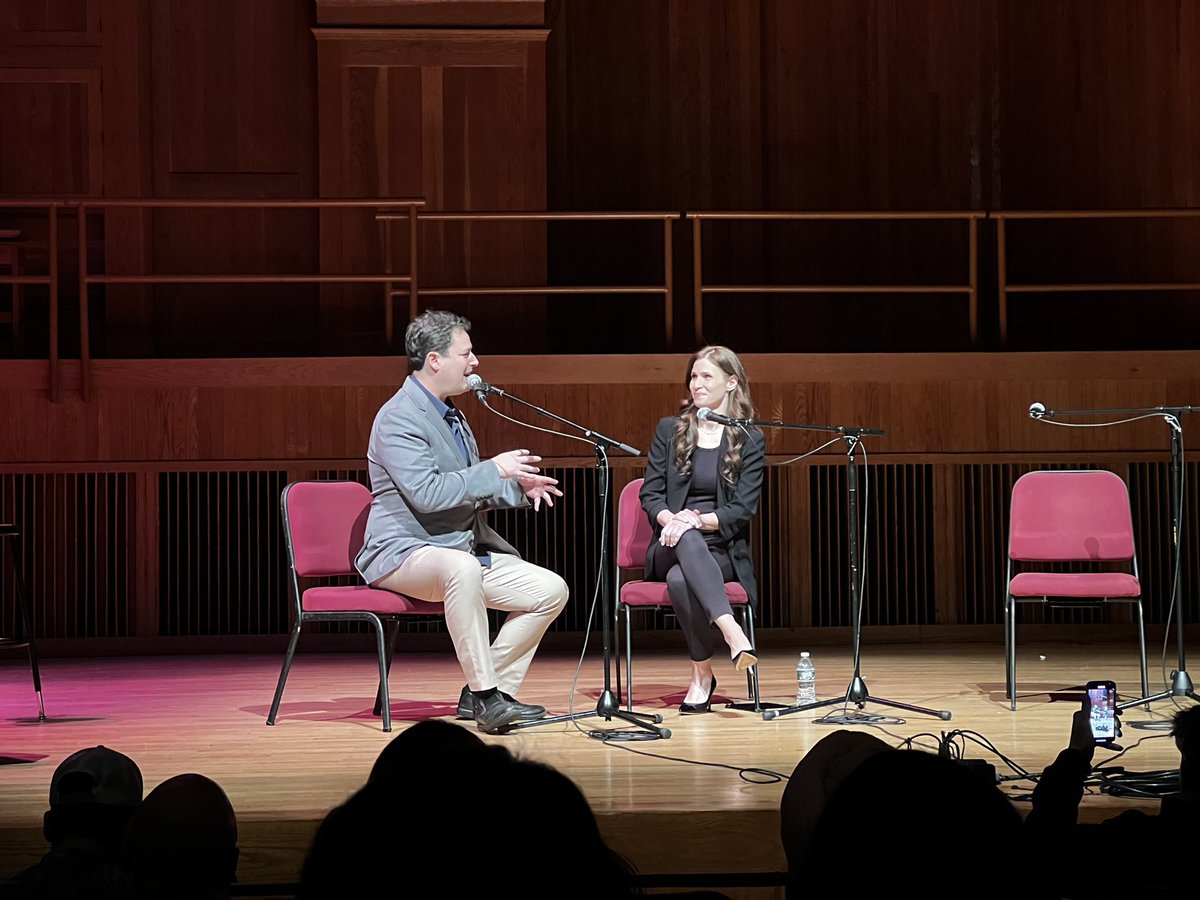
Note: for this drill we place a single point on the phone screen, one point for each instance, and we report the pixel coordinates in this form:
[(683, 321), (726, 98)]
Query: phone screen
[(1102, 698)]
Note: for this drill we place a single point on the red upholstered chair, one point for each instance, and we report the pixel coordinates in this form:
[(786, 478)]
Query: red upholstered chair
[(1069, 516), (324, 523), (634, 535)]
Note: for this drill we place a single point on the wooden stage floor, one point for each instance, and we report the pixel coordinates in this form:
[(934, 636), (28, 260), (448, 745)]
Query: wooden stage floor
[(656, 806)]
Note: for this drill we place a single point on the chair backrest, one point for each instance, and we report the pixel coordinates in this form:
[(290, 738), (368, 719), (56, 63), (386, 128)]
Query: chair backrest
[(325, 523), (1070, 515), (634, 533)]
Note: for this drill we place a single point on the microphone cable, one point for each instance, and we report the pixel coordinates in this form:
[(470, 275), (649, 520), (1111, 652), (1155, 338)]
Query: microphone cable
[(483, 400), (598, 734)]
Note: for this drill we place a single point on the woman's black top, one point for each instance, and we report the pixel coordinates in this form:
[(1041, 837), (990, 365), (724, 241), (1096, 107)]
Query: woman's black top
[(702, 492)]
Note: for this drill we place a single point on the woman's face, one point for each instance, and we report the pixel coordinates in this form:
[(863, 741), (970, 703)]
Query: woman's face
[(710, 386)]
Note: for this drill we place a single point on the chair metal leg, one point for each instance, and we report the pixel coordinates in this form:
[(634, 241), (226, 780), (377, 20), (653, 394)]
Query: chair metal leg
[(381, 649), (1007, 671), (37, 682), (393, 630), (752, 672), (1142, 650), (1010, 650), (616, 632), (283, 674), (26, 613), (616, 627), (628, 659)]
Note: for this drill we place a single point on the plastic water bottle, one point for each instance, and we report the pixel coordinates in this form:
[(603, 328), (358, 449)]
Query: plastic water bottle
[(806, 680)]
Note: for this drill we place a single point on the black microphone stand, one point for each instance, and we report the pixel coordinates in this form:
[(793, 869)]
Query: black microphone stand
[(857, 692), (607, 705), (1181, 682)]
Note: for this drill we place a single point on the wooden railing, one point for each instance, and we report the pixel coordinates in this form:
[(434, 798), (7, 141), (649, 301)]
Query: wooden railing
[(391, 210), (85, 278), (1006, 287), (666, 288), (971, 288)]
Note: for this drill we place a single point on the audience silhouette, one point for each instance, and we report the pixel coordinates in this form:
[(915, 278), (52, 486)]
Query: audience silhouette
[(94, 793), (428, 742), (439, 799), (1139, 847), (813, 781), (451, 802), (182, 841), (903, 820)]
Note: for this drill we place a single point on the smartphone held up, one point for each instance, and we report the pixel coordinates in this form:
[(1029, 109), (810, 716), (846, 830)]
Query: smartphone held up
[(1102, 706)]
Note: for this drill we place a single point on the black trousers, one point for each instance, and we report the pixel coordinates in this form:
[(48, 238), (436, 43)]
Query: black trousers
[(695, 573)]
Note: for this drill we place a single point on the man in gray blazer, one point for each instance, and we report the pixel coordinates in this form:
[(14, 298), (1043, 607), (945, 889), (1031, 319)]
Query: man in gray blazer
[(427, 536)]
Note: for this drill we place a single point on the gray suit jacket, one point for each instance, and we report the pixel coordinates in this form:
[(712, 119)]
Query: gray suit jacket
[(424, 494)]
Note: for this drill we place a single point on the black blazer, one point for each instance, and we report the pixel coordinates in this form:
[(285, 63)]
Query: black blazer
[(665, 488)]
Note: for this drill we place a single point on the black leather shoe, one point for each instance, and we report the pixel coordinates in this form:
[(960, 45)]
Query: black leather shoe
[(495, 714), (466, 704), (529, 711), (706, 706)]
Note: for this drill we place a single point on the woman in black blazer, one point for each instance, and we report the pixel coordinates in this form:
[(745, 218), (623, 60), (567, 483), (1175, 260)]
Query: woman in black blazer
[(701, 490)]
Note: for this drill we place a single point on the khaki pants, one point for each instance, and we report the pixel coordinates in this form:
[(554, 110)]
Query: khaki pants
[(531, 595)]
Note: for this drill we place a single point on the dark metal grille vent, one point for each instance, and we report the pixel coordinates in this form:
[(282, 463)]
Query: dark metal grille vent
[(895, 503), (1150, 495), (781, 521), (91, 542), (565, 539), (77, 551), (222, 560)]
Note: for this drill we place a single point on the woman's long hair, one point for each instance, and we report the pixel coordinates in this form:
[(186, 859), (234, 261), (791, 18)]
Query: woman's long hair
[(740, 407)]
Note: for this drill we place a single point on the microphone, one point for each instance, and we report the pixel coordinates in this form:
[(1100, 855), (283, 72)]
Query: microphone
[(1038, 410), (707, 415), (480, 387)]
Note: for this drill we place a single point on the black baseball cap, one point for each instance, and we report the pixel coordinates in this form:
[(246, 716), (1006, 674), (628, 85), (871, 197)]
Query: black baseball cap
[(96, 775)]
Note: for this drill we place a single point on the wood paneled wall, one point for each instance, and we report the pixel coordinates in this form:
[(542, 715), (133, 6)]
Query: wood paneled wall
[(232, 116), (612, 104), (420, 13), (228, 99), (595, 104), (127, 98), (869, 104), (971, 405), (767, 104), (50, 78), (456, 117)]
